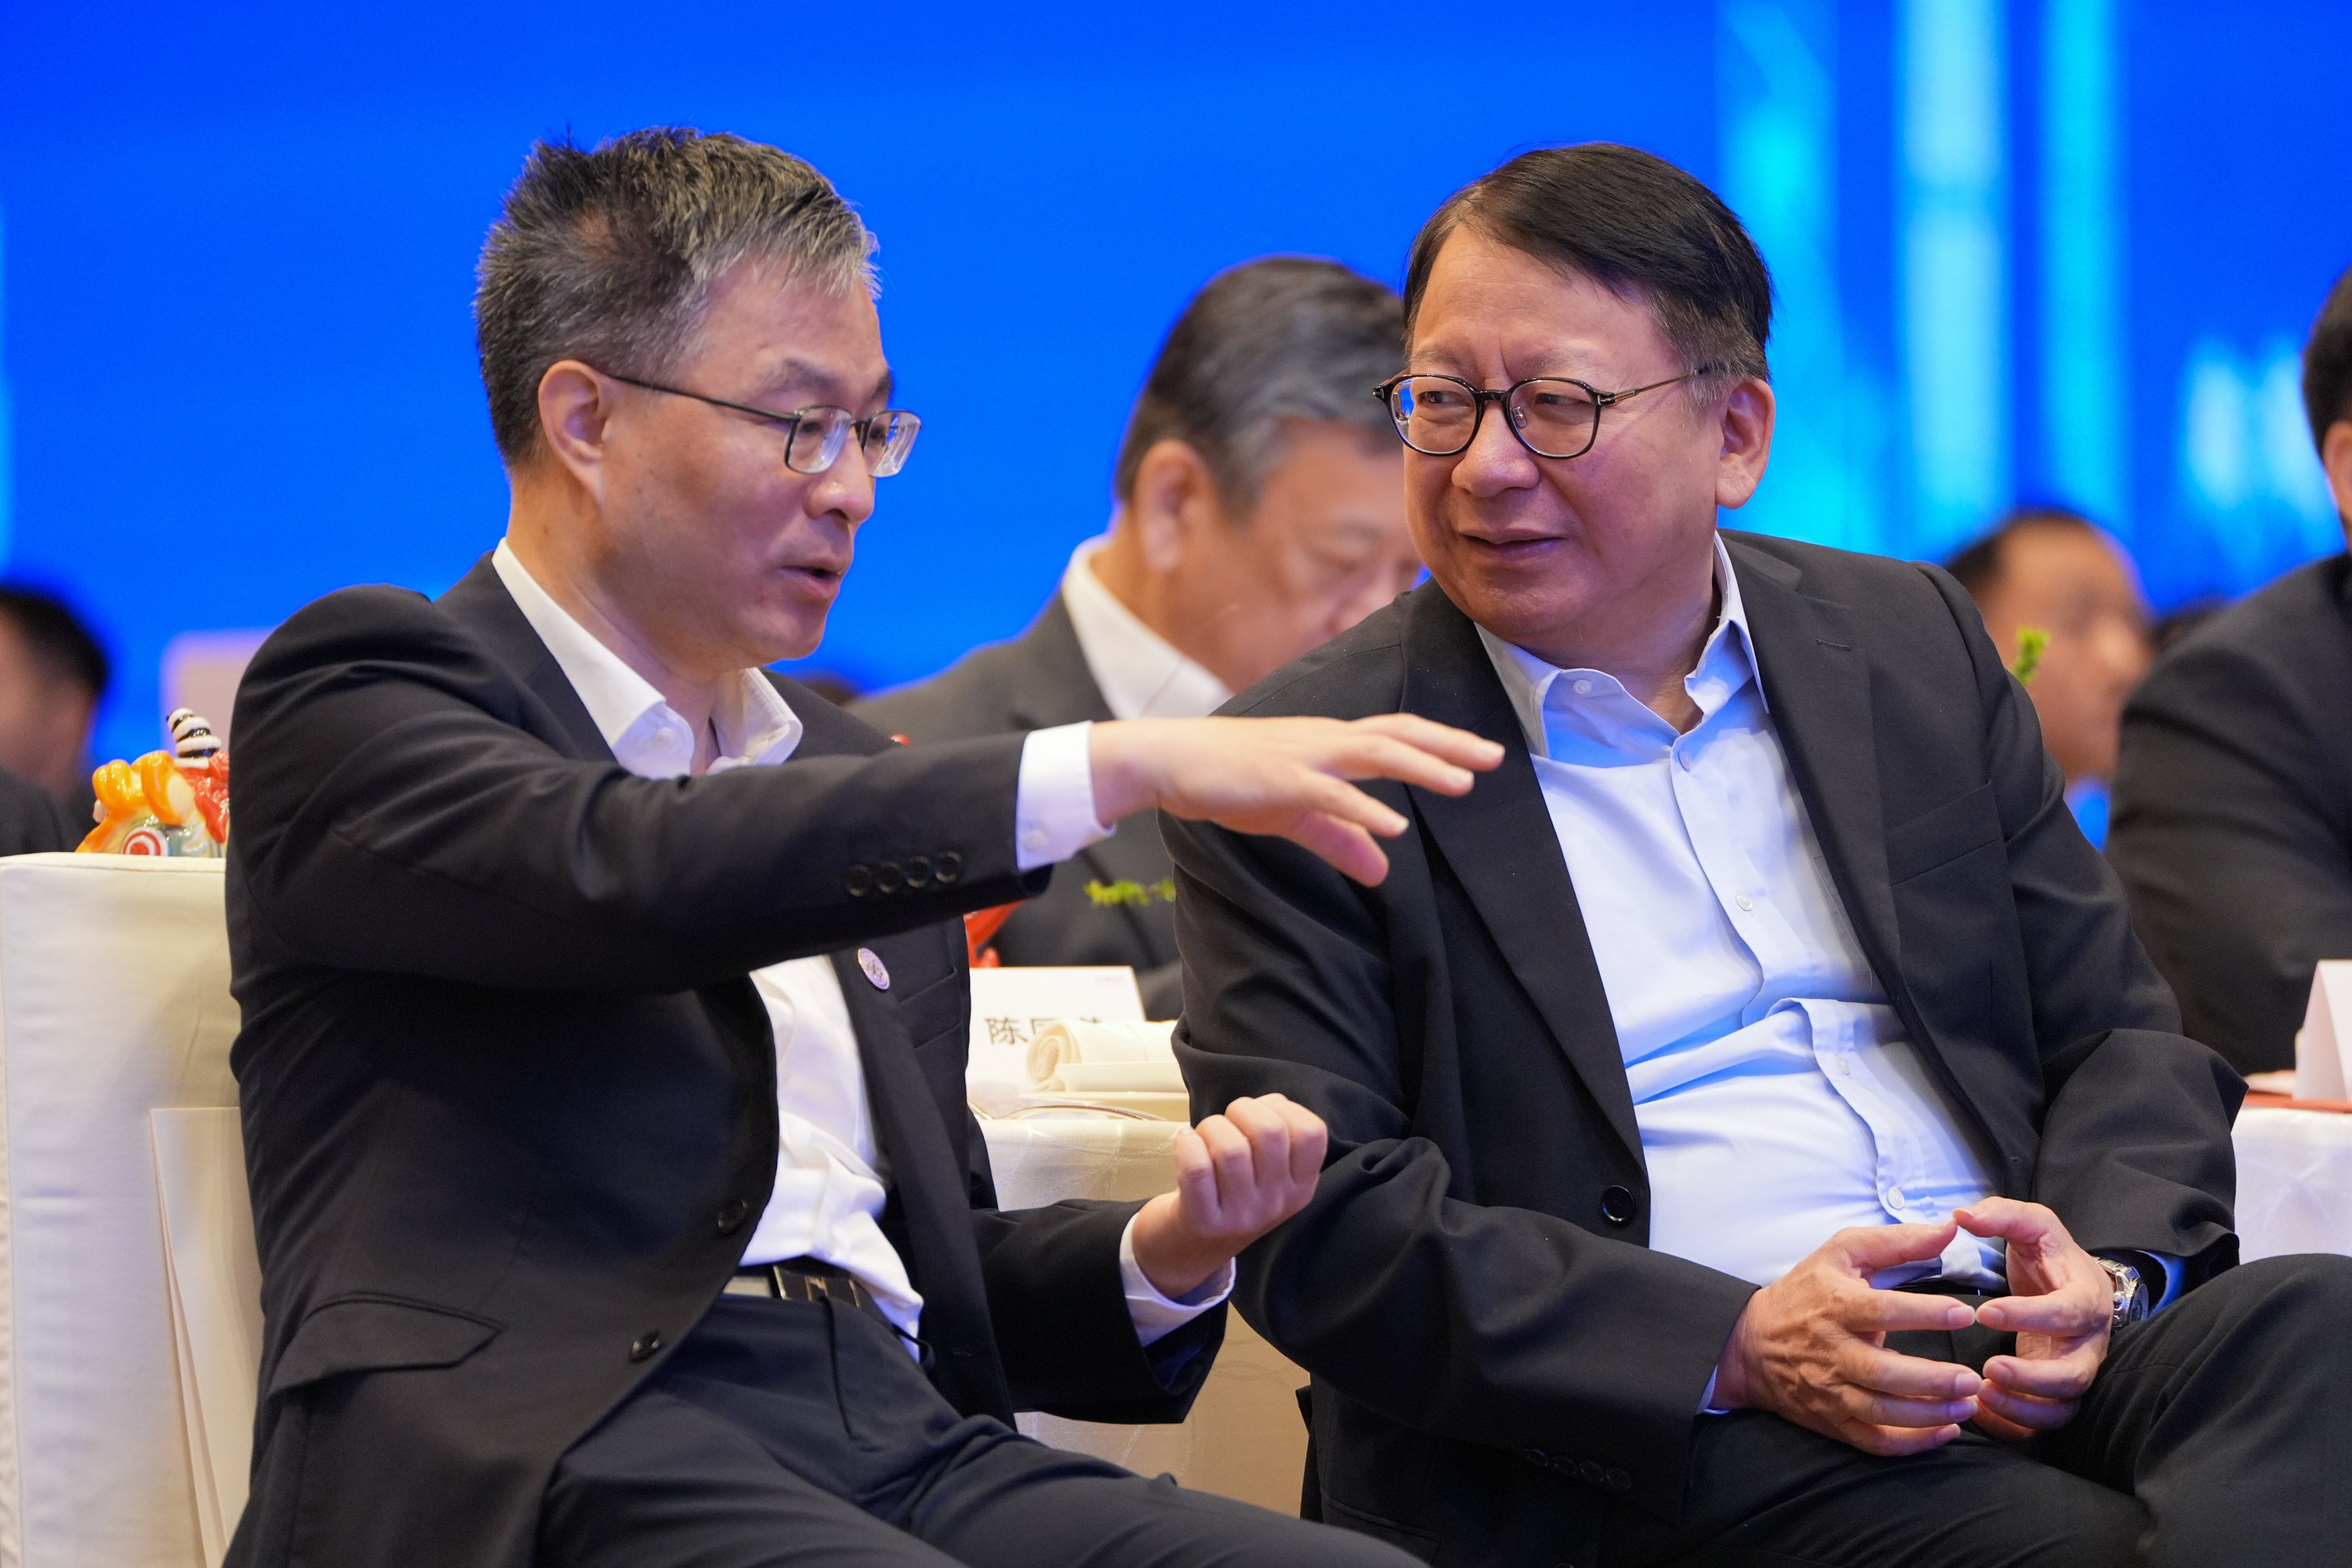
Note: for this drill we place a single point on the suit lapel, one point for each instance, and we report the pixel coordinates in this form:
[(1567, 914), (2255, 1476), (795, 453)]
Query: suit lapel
[(481, 601), (928, 1183), (1817, 685), (1053, 686), (1499, 842)]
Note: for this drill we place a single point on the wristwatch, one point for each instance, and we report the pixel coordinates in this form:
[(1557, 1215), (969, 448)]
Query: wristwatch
[(2131, 1302)]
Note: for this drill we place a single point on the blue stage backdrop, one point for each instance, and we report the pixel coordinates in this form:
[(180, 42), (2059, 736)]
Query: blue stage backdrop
[(2061, 250)]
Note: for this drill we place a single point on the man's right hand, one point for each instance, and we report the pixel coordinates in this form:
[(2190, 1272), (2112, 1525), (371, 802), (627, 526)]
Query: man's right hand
[(1285, 776), (1811, 1347)]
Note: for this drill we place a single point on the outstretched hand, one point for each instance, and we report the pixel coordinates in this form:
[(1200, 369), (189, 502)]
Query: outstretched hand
[(1811, 1347), (1286, 777), (1238, 1175)]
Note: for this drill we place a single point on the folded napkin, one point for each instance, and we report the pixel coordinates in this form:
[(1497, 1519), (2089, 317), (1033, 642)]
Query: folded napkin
[(1069, 1055)]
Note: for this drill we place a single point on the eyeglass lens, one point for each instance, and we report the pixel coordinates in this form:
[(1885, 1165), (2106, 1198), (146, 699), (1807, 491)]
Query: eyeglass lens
[(1438, 416), (820, 436)]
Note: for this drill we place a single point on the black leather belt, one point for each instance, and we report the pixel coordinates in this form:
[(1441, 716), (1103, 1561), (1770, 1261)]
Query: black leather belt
[(808, 1279)]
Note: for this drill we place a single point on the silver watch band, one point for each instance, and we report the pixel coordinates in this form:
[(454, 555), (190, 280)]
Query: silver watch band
[(2131, 1298)]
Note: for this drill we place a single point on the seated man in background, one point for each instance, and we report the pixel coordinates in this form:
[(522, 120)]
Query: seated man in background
[(2233, 802), (1258, 513), (53, 675), (602, 1059), (1755, 1135), (2056, 572)]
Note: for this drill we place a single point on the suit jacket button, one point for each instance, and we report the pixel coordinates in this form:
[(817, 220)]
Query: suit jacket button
[(919, 870), (1617, 1205), (1591, 1473), (731, 1216), (646, 1344), (890, 876), (858, 881), (947, 867), (1535, 1456), (1619, 1481)]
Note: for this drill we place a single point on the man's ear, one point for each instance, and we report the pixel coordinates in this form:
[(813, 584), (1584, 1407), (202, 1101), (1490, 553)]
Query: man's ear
[(2335, 456), (576, 405), (1747, 425), (1175, 502)]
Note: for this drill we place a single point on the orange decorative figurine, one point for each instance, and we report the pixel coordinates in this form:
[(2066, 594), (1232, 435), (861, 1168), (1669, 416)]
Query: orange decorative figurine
[(167, 803)]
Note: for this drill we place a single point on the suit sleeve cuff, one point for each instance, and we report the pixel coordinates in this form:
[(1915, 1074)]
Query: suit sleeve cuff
[(1156, 1316), (1053, 803)]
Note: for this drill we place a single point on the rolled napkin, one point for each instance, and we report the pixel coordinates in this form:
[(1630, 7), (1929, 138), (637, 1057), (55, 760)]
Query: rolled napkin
[(1070, 1056)]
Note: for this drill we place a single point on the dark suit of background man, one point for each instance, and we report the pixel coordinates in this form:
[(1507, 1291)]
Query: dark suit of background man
[(602, 1067), (1258, 513), (1733, 1022), (2233, 804)]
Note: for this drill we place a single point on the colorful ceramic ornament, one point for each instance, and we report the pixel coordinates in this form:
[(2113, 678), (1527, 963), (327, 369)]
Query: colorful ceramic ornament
[(171, 803)]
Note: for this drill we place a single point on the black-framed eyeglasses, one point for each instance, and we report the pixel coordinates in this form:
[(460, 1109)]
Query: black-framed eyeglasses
[(817, 436), (1552, 415)]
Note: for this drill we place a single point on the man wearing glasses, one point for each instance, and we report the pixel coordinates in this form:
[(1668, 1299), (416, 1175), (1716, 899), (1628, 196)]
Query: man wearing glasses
[(1755, 1133), (603, 998)]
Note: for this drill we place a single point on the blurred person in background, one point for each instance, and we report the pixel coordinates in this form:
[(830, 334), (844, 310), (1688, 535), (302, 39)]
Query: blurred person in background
[(1259, 512), (2233, 802), (52, 675), (2053, 570)]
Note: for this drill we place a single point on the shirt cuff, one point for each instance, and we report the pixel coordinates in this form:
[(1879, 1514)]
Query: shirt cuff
[(1053, 805), (1156, 1316)]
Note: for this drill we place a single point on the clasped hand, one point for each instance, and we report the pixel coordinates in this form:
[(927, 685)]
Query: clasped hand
[(1811, 1346)]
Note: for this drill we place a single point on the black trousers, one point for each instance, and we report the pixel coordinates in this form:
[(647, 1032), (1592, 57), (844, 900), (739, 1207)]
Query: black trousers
[(803, 1433), (2218, 1432)]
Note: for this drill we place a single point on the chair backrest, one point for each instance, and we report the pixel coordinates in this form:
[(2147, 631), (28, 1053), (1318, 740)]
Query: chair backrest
[(114, 1002)]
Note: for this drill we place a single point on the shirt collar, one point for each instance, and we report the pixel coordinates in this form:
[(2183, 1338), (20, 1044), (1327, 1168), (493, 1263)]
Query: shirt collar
[(756, 727), (1539, 691), (1140, 674)]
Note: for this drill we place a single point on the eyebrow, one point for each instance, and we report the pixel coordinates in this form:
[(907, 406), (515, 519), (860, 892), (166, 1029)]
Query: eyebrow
[(794, 371)]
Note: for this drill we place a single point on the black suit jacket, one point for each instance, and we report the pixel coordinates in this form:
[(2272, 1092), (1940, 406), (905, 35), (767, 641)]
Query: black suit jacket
[(508, 1095), (1035, 681), (31, 820), (1496, 1353), (2233, 824)]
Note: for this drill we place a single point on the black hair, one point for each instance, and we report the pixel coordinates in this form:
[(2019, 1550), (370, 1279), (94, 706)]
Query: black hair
[(61, 646), (1632, 222), (2328, 362), (1978, 567), (1283, 337)]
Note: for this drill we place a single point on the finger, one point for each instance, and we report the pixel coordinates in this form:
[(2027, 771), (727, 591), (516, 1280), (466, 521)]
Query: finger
[(1366, 755), (1269, 1140), (1229, 1153), (2021, 1223), (1892, 1442), (1321, 793), (1309, 1139), (1196, 1176), (2056, 1377), (2066, 1314), (1864, 1311), (1879, 1410), (1877, 1369), (1994, 1425), (1344, 847), (1459, 747), (2024, 1412), (1869, 1249)]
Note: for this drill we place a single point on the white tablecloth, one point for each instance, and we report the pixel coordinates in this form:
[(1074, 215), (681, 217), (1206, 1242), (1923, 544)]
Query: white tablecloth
[(1244, 1438), (2294, 1181)]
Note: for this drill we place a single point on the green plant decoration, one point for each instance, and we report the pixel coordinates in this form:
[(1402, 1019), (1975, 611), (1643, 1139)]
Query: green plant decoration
[(1126, 891), (2031, 641)]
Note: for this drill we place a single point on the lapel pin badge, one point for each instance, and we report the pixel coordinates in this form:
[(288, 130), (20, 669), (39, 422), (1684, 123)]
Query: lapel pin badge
[(876, 970)]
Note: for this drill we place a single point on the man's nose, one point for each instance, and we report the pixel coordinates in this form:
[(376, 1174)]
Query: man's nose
[(844, 489), (1494, 461)]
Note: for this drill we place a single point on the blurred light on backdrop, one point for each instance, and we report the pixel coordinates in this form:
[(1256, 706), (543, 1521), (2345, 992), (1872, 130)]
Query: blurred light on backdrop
[(2050, 249)]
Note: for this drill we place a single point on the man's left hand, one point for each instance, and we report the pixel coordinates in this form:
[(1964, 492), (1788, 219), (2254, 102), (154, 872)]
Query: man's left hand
[(1238, 1175), (2059, 1307)]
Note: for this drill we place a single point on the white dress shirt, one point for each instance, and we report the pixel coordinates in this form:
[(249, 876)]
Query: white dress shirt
[(1777, 1099), (832, 1180), (1138, 672)]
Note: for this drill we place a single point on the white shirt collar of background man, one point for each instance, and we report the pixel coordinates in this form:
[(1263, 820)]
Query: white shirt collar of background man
[(755, 726), (1139, 673)]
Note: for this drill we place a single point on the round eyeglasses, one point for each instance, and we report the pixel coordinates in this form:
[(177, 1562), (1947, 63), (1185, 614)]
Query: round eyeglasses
[(1552, 415), (816, 437)]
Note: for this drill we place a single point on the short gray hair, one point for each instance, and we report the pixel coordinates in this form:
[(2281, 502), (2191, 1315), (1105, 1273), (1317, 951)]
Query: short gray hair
[(608, 256), (1283, 337)]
